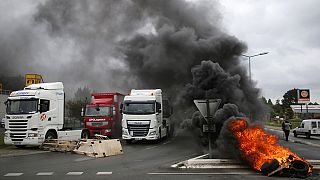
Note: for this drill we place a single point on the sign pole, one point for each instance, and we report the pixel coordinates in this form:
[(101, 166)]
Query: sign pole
[(209, 127), (207, 108)]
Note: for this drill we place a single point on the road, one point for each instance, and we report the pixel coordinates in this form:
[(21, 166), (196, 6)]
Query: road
[(139, 161)]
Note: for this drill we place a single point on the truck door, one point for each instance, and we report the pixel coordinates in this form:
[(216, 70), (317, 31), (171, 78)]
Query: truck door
[(45, 115), (314, 127)]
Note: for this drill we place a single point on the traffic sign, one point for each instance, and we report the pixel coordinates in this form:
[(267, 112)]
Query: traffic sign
[(207, 107), (206, 128)]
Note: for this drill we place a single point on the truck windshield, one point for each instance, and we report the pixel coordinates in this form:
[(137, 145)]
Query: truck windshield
[(98, 111), (139, 108), (22, 106)]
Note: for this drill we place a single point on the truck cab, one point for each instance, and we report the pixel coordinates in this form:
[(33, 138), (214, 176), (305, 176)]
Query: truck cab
[(37, 113), (143, 116), (102, 116)]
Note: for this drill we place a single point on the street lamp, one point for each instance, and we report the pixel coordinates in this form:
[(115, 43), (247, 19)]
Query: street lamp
[(249, 57)]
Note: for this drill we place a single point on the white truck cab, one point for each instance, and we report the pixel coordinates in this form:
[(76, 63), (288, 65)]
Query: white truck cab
[(143, 116), (308, 127), (37, 113)]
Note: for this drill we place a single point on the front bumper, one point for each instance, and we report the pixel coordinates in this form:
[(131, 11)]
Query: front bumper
[(152, 135), (32, 141), (36, 140)]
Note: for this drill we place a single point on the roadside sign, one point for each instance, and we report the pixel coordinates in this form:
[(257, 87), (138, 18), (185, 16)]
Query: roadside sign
[(207, 107), (303, 96), (206, 128)]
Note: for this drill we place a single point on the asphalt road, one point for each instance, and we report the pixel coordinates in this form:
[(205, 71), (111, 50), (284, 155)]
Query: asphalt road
[(139, 161)]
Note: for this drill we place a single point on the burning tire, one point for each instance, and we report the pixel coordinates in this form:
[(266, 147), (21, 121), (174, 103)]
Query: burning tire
[(299, 168), (267, 168)]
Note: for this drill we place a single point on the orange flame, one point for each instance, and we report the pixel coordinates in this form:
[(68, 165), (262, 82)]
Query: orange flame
[(258, 147)]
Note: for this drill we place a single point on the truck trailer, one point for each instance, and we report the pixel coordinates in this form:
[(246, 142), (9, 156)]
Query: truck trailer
[(146, 115), (37, 113), (102, 116)]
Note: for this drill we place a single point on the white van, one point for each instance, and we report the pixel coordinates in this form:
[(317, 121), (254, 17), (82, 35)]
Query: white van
[(308, 127)]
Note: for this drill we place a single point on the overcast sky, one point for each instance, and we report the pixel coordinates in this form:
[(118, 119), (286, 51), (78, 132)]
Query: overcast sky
[(290, 31)]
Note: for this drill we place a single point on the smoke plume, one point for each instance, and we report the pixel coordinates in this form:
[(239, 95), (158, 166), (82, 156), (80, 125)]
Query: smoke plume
[(117, 45)]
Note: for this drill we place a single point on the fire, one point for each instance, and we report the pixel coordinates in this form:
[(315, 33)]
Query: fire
[(258, 147)]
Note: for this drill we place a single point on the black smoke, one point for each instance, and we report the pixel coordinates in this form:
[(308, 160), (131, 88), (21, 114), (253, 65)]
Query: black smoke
[(117, 45)]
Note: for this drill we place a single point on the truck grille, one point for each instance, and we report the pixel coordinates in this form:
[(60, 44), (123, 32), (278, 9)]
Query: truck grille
[(139, 130), (18, 129)]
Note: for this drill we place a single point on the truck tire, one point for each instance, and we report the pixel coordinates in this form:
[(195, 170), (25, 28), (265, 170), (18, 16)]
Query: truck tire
[(85, 134), (51, 135)]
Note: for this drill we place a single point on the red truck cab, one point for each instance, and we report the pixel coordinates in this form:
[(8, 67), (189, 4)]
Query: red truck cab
[(102, 115)]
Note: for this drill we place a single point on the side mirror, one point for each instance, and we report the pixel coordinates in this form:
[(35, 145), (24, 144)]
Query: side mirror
[(114, 111), (82, 112), (158, 107), (121, 106)]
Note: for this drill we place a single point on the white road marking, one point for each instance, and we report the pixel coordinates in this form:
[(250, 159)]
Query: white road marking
[(218, 173), (104, 173), (74, 173), (44, 174), (13, 174), (152, 147)]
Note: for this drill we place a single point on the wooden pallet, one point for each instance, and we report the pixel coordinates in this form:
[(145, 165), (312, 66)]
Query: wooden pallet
[(59, 145)]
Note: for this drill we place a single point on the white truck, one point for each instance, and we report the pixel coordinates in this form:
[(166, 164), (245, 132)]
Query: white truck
[(146, 115), (37, 113)]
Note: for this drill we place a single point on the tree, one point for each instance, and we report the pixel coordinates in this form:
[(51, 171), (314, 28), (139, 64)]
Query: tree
[(289, 98), (277, 108), (81, 98)]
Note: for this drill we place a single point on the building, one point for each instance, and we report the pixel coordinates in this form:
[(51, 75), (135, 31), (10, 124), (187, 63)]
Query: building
[(306, 111)]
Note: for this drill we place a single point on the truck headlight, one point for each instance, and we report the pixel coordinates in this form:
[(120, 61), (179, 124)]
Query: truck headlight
[(124, 132), (152, 133), (108, 130), (6, 135), (32, 135)]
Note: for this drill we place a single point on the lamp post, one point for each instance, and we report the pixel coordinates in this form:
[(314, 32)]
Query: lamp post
[(249, 57)]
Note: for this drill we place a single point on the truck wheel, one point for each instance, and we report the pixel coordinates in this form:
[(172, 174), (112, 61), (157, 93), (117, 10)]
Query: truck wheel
[(295, 134), (51, 135), (85, 134)]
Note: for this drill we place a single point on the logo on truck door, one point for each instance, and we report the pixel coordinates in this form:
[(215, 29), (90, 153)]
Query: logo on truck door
[(43, 116)]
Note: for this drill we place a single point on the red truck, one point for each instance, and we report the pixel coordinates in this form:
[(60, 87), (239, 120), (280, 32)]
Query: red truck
[(102, 116)]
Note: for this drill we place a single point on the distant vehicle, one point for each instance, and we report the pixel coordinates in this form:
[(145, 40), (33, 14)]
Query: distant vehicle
[(2, 122), (308, 127), (146, 115), (102, 116), (37, 113)]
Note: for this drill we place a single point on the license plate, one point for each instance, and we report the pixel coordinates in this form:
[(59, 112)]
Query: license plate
[(16, 143)]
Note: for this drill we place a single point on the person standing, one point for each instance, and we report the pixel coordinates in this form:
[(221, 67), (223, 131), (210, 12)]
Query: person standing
[(286, 126)]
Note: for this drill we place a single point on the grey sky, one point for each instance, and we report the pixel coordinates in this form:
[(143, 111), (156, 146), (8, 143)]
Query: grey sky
[(290, 31)]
